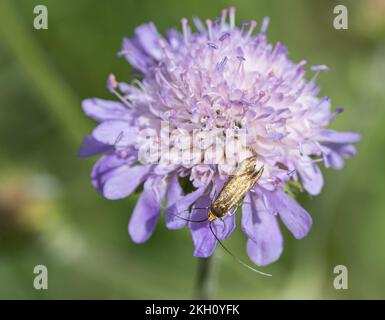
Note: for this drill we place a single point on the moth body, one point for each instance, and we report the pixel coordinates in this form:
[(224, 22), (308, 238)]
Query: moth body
[(235, 188)]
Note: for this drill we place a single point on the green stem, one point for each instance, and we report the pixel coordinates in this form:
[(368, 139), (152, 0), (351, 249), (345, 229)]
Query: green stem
[(205, 285)]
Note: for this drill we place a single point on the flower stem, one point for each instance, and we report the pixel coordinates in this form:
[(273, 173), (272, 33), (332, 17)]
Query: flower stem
[(205, 285)]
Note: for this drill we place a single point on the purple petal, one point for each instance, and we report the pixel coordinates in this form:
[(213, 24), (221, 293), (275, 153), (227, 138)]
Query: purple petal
[(180, 208), (202, 235), (144, 50), (135, 55), (115, 132), (174, 194), (104, 168), (115, 179), (334, 160), (320, 68), (102, 110), (147, 210), (203, 238), (112, 84), (148, 38), (312, 178), (333, 136), (91, 147), (174, 38), (223, 228), (334, 154), (346, 150), (295, 218), (124, 181), (265, 243)]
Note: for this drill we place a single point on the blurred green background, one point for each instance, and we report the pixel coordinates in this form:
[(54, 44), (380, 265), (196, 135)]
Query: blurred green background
[(50, 214)]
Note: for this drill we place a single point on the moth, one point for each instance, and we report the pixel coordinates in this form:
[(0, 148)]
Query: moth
[(231, 196), (235, 189)]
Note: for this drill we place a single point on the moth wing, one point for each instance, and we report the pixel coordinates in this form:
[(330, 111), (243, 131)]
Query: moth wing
[(247, 166)]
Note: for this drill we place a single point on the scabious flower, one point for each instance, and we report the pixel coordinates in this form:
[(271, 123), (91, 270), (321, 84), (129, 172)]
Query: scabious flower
[(220, 77)]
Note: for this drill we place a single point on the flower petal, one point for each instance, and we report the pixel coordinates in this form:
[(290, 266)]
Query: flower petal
[(115, 179), (91, 147), (102, 110), (295, 218), (174, 194), (147, 210), (115, 132), (180, 208), (346, 150), (265, 241), (135, 55), (148, 38), (124, 181), (224, 227), (334, 160), (327, 135), (104, 169), (312, 178), (203, 238), (335, 153)]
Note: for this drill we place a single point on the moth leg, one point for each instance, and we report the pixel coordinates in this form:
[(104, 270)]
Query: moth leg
[(236, 207), (232, 211)]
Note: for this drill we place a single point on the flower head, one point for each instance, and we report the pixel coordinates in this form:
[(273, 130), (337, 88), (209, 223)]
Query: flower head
[(220, 80)]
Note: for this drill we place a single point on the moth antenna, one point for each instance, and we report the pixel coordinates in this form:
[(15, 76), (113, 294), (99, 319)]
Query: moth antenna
[(235, 257), (291, 172), (185, 219), (189, 220)]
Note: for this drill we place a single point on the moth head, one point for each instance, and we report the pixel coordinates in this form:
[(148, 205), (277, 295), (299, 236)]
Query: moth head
[(211, 216)]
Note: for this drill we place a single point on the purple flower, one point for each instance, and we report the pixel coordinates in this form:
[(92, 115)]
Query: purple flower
[(219, 77)]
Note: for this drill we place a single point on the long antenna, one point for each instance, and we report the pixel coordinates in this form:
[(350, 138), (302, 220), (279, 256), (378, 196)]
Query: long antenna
[(235, 257), (189, 220), (185, 219)]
